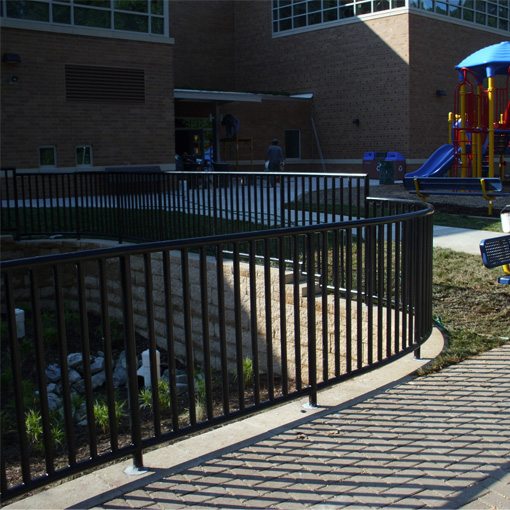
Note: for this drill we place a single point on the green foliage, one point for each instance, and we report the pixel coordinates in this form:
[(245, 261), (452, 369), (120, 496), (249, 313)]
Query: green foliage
[(163, 396), (200, 387), (101, 413), (247, 372), (34, 428)]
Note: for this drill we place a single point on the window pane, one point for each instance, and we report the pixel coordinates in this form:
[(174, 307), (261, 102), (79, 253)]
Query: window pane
[(300, 21), (61, 14), (91, 18), (364, 8), (94, 3), (441, 8), (315, 18), (330, 15), (131, 5), (131, 22), (480, 18), (157, 25), (35, 11), (157, 7), (47, 156), (381, 5), (468, 15), (314, 5), (299, 9), (286, 24), (346, 12)]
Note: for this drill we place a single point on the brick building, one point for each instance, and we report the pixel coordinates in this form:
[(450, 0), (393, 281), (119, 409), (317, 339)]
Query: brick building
[(98, 84)]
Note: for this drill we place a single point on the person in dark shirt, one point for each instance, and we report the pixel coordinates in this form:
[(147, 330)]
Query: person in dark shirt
[(274, 158)]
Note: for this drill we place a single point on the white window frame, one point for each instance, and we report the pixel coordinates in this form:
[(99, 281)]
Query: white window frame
[(54, 26), (84, 146), (294, 16)]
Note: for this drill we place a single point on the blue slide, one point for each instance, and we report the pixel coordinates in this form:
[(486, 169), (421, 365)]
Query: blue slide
[(437, 165)]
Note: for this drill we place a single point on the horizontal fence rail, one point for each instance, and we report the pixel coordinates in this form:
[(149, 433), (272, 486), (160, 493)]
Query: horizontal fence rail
[(127, 347)]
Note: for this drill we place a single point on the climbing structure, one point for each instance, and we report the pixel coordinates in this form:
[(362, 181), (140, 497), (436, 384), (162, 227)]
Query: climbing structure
[(480, 122)]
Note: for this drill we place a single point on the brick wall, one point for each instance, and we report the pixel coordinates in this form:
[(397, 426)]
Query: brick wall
[(204, 43), (384, 72), (35, 111)]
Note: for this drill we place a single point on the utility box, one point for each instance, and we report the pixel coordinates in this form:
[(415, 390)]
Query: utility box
[(372, 162)]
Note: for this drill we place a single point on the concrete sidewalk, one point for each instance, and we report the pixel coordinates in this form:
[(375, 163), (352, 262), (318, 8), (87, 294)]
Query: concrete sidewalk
[(384, 439), (461, 239)]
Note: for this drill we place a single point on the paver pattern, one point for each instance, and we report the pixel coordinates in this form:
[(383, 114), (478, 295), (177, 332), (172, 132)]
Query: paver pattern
[(440, 441)]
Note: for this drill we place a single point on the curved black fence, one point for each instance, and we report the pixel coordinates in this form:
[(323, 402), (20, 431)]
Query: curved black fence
[(126, 347)]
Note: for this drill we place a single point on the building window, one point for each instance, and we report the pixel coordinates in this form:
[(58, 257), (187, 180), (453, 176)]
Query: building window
[(300, 14), (47, 156), (145, 16), (292, 144), (84, 155)]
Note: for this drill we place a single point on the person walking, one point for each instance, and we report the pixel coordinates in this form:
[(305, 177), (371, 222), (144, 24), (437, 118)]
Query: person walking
[(274, 159)]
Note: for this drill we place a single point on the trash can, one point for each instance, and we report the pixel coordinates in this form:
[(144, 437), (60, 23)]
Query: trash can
[(399, 164), (387, 172), (221, 181), (371, 163)]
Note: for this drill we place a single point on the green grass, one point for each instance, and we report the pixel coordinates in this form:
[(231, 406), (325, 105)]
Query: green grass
[(469, 303), (464, 221)]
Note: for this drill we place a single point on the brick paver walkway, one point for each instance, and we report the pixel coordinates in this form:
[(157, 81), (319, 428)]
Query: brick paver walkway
[(441, 441)]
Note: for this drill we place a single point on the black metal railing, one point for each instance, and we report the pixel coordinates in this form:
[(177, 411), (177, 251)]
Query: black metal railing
[(153, 206), (235, 323)]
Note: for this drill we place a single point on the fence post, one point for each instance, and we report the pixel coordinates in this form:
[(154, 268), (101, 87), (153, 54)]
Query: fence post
[(312, 337)]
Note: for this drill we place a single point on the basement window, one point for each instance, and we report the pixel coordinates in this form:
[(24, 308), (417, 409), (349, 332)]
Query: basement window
[(84, 155), (47, 156)]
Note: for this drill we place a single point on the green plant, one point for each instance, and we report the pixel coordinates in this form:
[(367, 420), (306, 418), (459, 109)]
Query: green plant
[(101, 413), (163, 395), (34, 428), (247, 372), (200, 387), (50, 335)]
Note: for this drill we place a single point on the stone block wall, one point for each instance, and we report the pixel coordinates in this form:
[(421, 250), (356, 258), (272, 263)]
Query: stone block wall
[(253, 316)]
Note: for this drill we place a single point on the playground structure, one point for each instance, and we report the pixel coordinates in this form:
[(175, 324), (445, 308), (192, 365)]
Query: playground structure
[(479, 131), (480, 123)]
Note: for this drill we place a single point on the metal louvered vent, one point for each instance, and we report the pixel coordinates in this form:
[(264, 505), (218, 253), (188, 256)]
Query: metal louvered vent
[(94, 84)]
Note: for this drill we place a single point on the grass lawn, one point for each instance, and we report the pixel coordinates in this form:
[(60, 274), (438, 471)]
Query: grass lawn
[(464, 221), (469, 304)]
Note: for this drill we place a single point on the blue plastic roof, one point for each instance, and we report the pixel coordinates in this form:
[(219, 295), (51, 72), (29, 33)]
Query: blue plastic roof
[(489, 61)]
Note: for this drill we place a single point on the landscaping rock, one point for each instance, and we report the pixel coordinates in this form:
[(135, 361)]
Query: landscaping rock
[(74, 359), (53, 373)]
